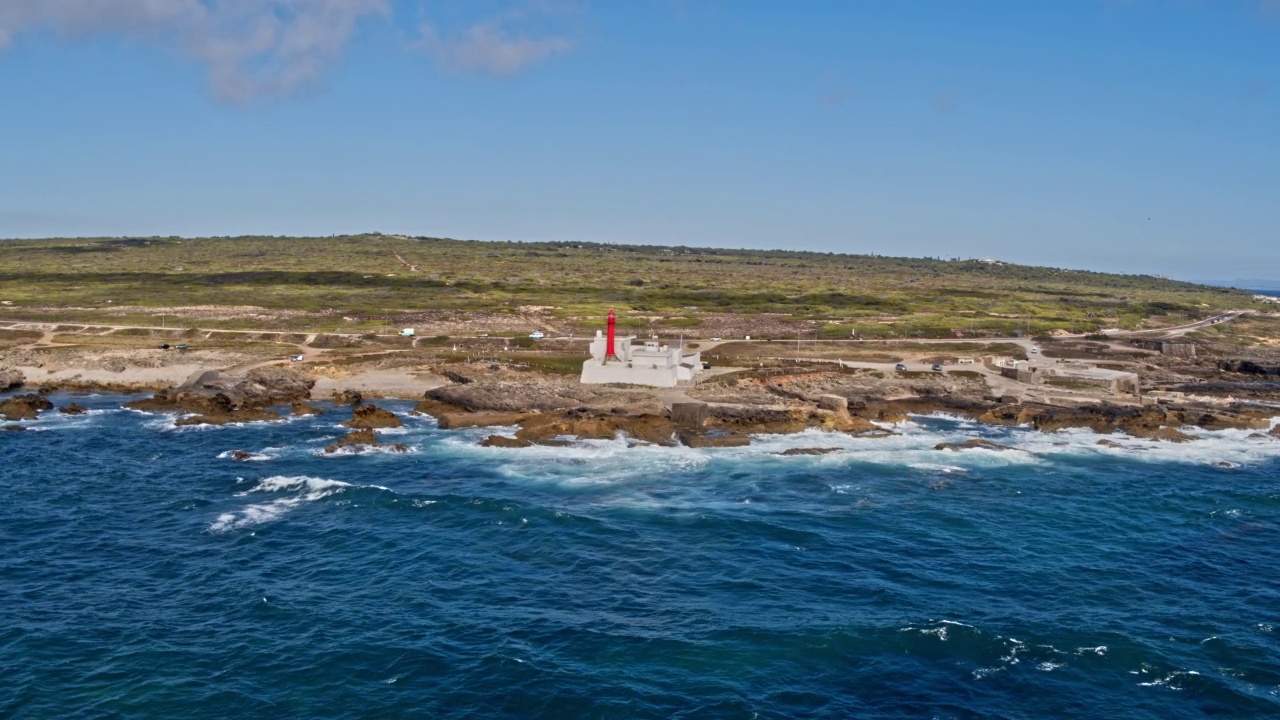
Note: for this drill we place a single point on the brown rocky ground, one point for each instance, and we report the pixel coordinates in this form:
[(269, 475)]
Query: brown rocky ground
[(363, 438), (213, 400), (546, 406), (786, 401), (24, 407)]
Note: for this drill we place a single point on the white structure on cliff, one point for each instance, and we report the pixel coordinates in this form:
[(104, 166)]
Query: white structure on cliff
[(617, 360)]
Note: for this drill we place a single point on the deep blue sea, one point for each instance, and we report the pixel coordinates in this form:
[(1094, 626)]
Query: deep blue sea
[(146, 574)]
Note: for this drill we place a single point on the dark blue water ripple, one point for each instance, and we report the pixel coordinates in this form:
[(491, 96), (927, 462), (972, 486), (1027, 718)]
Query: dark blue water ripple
[(142, 575)]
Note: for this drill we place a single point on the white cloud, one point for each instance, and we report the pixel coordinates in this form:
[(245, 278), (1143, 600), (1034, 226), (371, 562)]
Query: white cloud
[(491, 46), (250, 47)]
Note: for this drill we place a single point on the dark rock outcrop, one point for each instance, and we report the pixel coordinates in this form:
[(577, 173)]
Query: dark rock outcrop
[(713, 440), (456, 377), (459, 420), (1165, 433), (348, 397), (1249, 367), (12, 428), (974, 444), (689, 415), (809, 451), (505, 442), (1009, 415), (890, 416), (834, 403), (301, 409), (363, 438), (772, 419), (372, 417), (24, 407), (543, 429), (72, 409), (273, 386), (1144, 422), (11, 380), (213, 400)]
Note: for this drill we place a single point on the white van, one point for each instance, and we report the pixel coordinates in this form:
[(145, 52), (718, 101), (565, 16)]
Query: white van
[(537, 335)]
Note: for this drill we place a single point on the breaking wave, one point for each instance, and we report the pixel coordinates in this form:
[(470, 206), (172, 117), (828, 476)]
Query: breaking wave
[(302, 489)]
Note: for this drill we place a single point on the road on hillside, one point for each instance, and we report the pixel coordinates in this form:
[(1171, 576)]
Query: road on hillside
[(703, 344), (1180, 330)]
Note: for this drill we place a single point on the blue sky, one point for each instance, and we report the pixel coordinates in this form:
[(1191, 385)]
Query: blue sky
[(1126, 135)]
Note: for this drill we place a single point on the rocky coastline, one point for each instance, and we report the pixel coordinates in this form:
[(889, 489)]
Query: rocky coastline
[(548, 410)]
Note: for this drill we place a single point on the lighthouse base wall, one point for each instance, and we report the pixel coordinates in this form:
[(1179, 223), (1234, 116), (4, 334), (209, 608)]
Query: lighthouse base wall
[(596, 373)]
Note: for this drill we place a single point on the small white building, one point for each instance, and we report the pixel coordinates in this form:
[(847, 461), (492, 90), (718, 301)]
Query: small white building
[(652, 363)]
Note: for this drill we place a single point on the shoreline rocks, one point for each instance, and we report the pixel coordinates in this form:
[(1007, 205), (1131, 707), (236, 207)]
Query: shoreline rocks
[(361, 439), (348, 397), (24, 407), (808, 451), (1166, 434), (11, 380), (704, 440), (501, 441), (973, 444), (545, 419), (210, 400), (371, 417)]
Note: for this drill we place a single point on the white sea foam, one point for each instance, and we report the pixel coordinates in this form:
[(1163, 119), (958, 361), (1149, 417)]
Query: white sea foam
[(304, 488), (306, 483), (1169, 681), (353, 450), (252, 456), (914, 446), (941, 629), (404, 430)]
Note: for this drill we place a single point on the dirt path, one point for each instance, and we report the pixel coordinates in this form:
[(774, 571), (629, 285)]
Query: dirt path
[(411, 266)]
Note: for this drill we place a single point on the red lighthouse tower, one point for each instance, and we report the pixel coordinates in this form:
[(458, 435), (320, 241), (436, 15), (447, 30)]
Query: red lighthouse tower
[(609, 352)]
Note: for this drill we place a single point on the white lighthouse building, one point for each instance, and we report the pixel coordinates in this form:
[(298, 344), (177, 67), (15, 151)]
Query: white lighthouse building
[(618, 360)]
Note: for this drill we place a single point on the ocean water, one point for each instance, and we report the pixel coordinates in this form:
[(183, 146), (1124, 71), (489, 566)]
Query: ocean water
[(145, 573)]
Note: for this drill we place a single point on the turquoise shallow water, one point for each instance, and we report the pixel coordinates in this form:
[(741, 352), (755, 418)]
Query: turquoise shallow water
[(143, 575)]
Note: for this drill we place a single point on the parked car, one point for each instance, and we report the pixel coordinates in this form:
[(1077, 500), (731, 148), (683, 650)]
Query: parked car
[(900, 367), (715, 339), (1034, 350), (296, 358), (706, 366), (537, 335), (937, 368), (164, 346), (181, 346)]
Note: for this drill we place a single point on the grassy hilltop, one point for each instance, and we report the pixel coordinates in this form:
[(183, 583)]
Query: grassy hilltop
[(374, 280)]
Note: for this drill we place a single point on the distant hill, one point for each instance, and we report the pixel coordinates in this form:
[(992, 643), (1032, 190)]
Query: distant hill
[(374, 280)]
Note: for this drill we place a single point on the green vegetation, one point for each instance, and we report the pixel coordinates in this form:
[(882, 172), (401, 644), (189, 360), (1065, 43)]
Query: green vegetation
[(1242, 332), (368, 283)]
